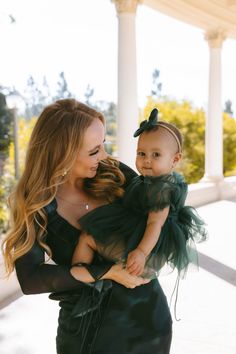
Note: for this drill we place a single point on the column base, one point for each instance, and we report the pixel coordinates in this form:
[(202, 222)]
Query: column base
[(212, 179)]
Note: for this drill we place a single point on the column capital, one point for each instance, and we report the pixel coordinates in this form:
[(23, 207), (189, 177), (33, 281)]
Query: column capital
[(126, 6), (215, 37)]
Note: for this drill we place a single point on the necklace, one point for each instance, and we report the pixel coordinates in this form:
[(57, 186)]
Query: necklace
[(84, 205)]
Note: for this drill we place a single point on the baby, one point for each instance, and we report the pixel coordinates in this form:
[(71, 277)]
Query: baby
[(149, 226)]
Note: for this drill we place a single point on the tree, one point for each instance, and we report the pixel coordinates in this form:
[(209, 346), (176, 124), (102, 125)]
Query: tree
[(63, 90), (9, 17), (229, 145), (88, 94), (36, 96), (6, 120), (5, 125), (7, 178), (157, 86), (228, 107), (109, 110), (12, 18), (34, 99), (46, 91)]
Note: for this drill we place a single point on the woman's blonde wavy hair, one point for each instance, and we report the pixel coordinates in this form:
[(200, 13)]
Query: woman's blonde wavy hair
[(52, 150)]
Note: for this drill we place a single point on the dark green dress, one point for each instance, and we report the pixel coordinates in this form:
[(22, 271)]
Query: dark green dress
[(127, 321), (119, 227)]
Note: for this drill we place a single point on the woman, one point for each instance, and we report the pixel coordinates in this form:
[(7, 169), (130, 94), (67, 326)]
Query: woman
[(67, 173)]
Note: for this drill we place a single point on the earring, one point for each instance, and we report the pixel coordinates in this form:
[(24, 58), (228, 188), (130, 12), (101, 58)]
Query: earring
[(64, 173)]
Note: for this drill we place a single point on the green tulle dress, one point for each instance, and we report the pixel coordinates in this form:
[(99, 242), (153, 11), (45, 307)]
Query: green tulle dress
[(118, 228)]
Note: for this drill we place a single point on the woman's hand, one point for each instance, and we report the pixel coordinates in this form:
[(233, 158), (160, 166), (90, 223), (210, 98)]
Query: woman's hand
[(120, 275)]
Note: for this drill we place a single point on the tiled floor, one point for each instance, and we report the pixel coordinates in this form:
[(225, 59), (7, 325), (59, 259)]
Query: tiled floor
[(206, 302)]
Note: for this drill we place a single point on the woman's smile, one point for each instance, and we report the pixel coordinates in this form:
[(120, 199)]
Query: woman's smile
[(94, 168)]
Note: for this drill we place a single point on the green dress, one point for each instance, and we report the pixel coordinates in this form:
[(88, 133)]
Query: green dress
[(119, 227)]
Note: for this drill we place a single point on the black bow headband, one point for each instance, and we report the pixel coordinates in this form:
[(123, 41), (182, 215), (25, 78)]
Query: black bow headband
[(152, 121), (148, 124)]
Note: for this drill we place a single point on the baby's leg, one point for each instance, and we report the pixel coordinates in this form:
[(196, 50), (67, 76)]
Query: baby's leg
[(84, 250), (114, 251)]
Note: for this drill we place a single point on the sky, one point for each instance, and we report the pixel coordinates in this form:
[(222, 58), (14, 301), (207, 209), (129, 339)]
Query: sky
[(79, 37)]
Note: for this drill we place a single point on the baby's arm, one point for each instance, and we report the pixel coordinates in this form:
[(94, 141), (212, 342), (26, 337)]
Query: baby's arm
[(84, 251), (136, 259)]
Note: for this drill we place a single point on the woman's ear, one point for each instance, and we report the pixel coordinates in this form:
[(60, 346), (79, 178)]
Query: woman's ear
[(177, 158)]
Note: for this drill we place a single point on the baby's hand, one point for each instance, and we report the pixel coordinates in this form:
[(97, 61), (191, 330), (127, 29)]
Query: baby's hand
[(135, 262)]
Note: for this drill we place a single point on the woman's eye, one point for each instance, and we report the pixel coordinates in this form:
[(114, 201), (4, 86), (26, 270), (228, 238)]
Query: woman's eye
[(94, 153)]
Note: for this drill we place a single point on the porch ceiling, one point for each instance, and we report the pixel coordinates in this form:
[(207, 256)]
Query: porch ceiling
[(209, 15)]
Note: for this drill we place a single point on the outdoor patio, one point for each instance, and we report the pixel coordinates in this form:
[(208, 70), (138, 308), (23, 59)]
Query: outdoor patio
[(206, 301)]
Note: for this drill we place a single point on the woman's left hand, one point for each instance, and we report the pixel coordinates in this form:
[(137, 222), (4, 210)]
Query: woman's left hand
[(121, 275)]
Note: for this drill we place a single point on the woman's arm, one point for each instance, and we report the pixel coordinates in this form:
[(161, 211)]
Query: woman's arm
[(36, 277)]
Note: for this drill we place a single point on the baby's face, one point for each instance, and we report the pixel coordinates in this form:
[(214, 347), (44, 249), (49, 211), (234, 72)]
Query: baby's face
[(157, 153)]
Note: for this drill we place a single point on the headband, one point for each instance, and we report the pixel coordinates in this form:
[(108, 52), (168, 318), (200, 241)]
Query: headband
[(152, 122)]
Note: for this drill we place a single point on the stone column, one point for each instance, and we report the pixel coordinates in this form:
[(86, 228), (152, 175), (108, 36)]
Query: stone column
[(127, 80), (214, 121)]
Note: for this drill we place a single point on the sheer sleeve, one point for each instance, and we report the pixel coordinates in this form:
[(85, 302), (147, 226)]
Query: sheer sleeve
[(147, 193), (158, 192), (36, 277)]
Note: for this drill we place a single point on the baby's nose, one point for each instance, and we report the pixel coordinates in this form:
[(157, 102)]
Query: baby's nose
[(147, 160)]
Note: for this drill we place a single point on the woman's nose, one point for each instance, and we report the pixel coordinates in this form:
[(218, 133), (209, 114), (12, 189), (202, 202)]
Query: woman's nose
[(103, 154)]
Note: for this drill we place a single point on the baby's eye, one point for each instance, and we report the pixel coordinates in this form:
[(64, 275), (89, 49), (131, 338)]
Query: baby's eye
[(156, 154), (94, 153), (140, 153)]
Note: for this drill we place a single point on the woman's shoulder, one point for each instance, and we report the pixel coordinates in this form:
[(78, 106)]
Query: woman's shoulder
[(51, 208), (128, 172), (126, 169)]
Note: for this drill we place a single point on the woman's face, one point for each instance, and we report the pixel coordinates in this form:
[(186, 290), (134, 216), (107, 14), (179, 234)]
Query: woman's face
[(91, 151)]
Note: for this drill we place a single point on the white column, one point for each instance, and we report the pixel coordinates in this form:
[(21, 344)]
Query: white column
[(214, 120), (127, 80)]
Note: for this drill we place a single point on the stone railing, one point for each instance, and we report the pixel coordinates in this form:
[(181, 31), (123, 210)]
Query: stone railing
[(202, 193)]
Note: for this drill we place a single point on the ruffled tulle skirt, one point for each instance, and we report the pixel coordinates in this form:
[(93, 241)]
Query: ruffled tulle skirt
[(118, 230)]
